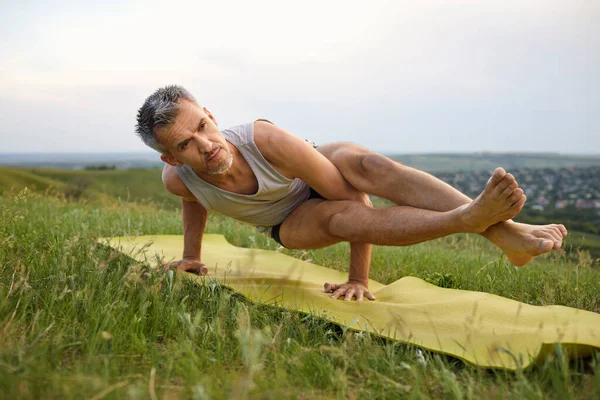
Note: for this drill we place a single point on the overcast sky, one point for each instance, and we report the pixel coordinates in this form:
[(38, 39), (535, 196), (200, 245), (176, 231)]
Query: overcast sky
[(395, 76)]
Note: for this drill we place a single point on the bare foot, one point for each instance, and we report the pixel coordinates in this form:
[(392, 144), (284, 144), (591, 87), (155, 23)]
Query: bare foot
[(501, 200), (523, 242)]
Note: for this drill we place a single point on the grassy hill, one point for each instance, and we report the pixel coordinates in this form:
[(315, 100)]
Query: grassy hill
[(144, 186), (490, 161), (17, 178), (80, 321), (139, 185)]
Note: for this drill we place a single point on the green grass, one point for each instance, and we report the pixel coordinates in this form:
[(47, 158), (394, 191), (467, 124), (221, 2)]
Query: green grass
[(139, 185), (12, 179), (145, 186), (78, 320)]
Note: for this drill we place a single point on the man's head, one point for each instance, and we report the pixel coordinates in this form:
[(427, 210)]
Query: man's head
[(174, 124)]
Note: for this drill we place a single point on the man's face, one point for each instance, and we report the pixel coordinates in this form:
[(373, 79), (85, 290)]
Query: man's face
[(194, 139)]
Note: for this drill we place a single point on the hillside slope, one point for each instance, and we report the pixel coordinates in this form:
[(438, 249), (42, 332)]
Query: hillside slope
[(490, 161)]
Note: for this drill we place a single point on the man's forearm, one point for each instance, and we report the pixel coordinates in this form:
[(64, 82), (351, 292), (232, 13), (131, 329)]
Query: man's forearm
[(360, 262), (194, 223)]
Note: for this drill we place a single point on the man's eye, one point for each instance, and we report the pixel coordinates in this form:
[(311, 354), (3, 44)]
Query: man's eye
[(202, 125), (183, 146)]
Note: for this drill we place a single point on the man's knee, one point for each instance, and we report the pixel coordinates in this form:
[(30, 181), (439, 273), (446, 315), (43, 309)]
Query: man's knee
[(372, 162), (344, 219), (342, 154)]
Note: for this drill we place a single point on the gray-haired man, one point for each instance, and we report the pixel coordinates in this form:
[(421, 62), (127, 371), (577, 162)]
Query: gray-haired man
[(308, 198)]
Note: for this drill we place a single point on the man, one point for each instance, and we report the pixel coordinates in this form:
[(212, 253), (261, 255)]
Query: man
[(308, 198)]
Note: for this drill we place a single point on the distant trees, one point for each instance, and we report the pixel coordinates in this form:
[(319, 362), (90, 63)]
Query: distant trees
[(75, 189), (101, 167)]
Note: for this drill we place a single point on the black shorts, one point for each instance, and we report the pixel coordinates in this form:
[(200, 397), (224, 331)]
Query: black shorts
[(276, 228)]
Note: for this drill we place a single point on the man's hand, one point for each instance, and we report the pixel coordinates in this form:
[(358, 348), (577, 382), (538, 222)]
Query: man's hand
[(188, 265), (349, 290)]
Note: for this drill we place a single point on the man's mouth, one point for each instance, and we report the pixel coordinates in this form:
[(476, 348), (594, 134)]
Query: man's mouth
[(213, 155)]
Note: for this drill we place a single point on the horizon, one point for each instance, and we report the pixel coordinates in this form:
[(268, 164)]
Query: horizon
[(151, 152)]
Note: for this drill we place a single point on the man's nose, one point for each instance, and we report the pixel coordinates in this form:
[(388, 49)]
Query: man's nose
[(204, 145)]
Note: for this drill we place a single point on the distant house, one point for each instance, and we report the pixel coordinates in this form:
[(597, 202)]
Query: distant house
[(581, 203)]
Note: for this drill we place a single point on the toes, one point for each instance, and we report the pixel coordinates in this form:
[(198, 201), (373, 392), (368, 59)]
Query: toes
[(545, 246), (562, 230), (515, 196), (551, 234), (499, 173), (518, 205), (555, 236), (511, 181), (496, 177), (510, 188), (555, 233), (500, 188), (510, 178), (558, 237)]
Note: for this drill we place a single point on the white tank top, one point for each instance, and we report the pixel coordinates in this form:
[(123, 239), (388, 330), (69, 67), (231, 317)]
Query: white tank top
[(277, 195)]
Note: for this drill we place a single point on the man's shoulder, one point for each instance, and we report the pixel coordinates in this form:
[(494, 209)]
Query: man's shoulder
[(269, 139), (174, 184), (283, 150)]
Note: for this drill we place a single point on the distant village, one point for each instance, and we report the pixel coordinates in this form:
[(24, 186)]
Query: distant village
[(546, 189)]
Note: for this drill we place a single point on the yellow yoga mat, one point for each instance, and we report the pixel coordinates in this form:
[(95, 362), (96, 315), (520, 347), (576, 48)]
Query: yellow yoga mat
[(480, 328)]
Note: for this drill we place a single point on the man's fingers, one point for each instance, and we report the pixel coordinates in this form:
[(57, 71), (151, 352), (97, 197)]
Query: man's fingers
[(173, 264), (349, 294), (196, 269), (328, 287), (348, 290), (338, 293), (359, 295)]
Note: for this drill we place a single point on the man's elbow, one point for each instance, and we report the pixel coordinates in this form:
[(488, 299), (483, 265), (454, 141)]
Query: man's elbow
[(356, 195)]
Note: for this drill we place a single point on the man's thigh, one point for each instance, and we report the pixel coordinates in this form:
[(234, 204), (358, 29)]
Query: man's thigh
[(307, 227)]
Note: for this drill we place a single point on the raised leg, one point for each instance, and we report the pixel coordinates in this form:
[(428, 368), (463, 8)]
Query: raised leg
[(378, 175), (318, 223)]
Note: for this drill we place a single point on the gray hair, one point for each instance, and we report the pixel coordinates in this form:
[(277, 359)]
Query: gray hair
[(159, 111)]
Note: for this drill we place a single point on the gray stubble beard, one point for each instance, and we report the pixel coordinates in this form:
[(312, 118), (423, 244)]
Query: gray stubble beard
[(224, 166)]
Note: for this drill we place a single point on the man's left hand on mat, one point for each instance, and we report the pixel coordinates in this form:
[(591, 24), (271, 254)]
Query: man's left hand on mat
[(348, 290), (187, 265)]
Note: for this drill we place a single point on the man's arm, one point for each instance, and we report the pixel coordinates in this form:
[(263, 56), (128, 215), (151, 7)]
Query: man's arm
[(194, 222), (296, 158)]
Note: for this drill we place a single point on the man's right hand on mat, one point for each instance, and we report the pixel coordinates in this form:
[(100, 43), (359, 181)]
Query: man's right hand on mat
[(188, 265), (348, 290)]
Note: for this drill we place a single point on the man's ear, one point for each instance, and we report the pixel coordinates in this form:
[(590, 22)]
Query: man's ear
[(169, 159), (210, 115)]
